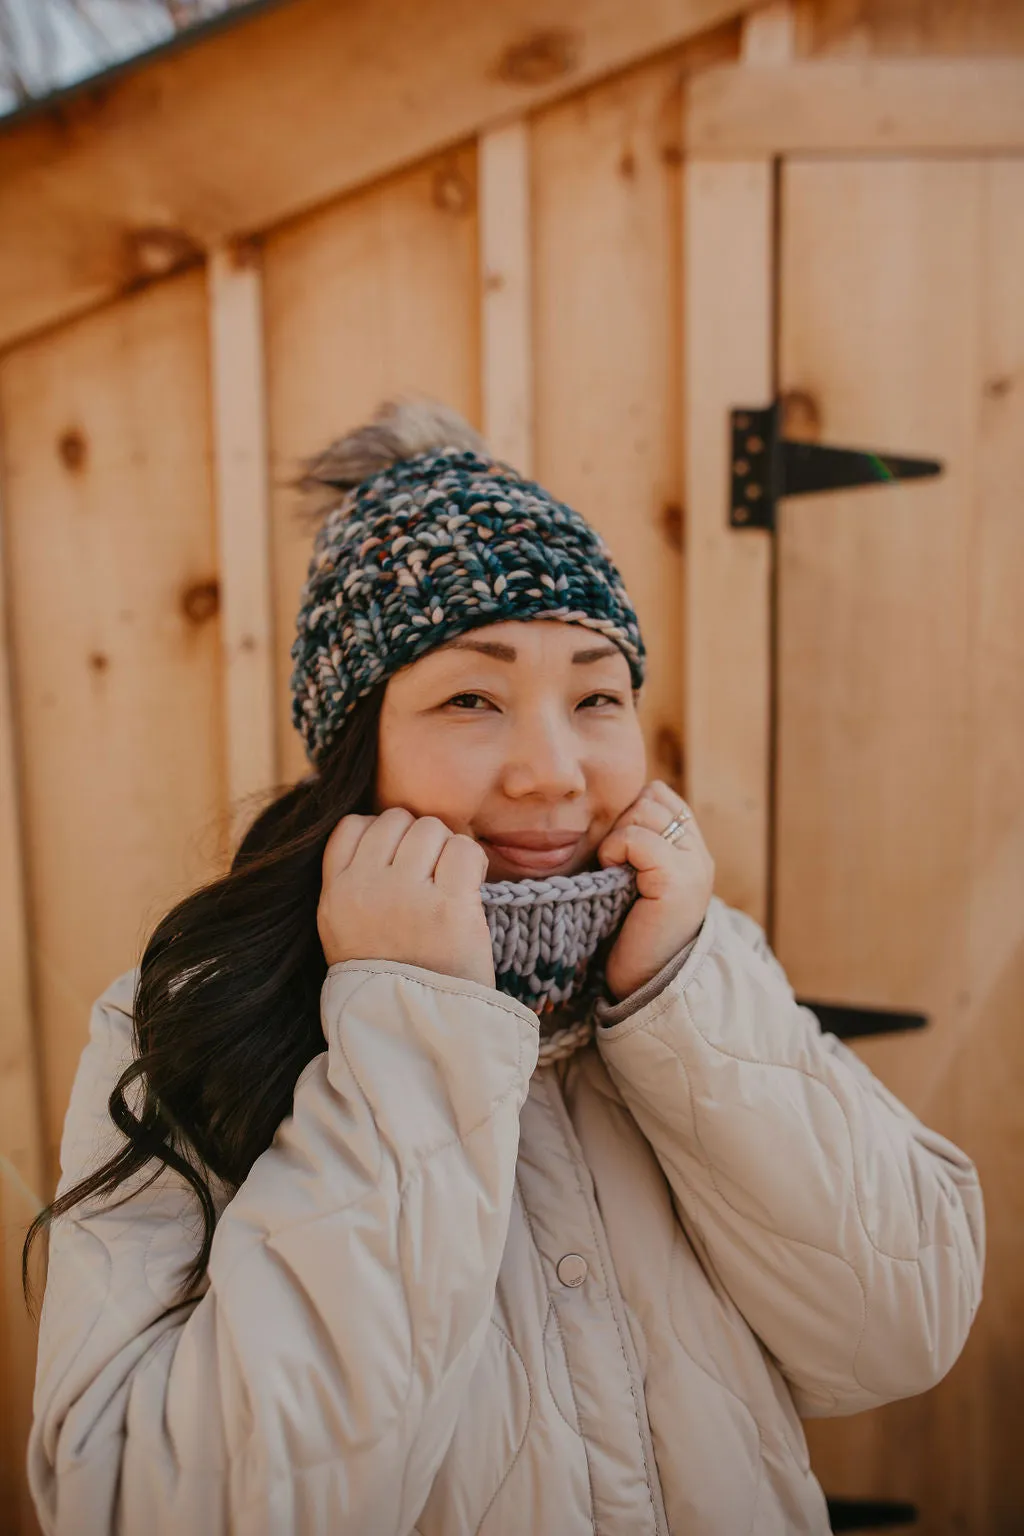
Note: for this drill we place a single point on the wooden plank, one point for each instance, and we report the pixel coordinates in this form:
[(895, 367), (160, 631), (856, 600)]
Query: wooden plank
[(727, 264), (261, 122), (606, 181), (910, 27), (375, 296), (900, 800), (769, 34), (506, 331), (243, 524), (993, 1057), (871, 107), (112, 566), (21, 1141)]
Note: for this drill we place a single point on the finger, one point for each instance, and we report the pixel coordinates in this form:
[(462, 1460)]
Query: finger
[(617, 840), (689, 834), (657, 864), (663, 794), (342, 844), (658, 817), (662, 807), (379, 842), (655, 808), (695, 837), (461, 866), (418, 851), (651, 805)]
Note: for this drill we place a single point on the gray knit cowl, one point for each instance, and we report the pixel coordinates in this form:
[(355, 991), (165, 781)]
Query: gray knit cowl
[(550, 939)]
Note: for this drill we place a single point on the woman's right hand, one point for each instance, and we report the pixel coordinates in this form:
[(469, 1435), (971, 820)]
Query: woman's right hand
[(406, 888)]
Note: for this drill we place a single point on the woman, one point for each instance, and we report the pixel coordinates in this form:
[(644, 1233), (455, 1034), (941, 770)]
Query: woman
[(566, 1248)]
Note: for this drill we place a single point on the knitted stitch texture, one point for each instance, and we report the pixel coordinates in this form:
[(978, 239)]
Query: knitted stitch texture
[(428, 548), (547, 938)]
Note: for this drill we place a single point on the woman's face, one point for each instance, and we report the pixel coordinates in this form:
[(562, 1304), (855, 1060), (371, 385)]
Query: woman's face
[(523, 735)]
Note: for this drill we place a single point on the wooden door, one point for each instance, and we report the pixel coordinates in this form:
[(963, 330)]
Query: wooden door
[(898, 805)]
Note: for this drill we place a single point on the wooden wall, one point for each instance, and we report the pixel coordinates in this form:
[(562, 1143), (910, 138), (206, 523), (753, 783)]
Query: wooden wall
[(939, 776), (111, 574), (145, 691), (899, 806)]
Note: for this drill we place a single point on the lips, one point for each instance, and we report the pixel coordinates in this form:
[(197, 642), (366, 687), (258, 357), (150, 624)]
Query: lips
[(534, 852)]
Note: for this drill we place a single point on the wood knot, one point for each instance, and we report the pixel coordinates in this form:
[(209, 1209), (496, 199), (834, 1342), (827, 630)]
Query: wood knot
[(201, 601), (996, 388), (541, 57), (156, 251), (452, 191), (627, 165), (99, 661), (72, 448), (801, 416), (672, 154), (672, 524), (244, 252)]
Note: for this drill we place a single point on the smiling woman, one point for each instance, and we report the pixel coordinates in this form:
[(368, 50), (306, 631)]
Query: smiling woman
[(451, 1279)]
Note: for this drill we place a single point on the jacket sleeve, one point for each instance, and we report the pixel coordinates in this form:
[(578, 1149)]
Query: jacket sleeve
[(316, 1383), (850, 1235)]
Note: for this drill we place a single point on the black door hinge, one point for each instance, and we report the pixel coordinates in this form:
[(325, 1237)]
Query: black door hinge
[(869, 1514), (848, 1023), (767, 466)]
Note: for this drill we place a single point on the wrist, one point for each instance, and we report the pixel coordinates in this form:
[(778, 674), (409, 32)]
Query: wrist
[(609, 1014)]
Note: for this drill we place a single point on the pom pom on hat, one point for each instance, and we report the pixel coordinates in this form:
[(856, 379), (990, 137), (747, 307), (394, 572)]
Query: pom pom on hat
[(401, 429)]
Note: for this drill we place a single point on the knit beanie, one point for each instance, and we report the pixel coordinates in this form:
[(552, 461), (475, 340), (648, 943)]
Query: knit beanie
[(427, 536), (423, 535)]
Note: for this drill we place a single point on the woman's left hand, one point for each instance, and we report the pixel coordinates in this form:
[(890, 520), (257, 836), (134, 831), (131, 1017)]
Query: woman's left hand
[(674, 884)]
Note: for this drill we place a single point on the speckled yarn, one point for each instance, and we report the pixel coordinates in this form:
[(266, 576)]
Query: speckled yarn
[(544, 935), (426, 549)]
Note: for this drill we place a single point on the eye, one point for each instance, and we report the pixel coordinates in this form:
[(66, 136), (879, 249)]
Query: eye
[(455, 699)]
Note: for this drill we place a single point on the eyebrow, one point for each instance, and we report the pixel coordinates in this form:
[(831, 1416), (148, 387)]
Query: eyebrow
[(502, 652)]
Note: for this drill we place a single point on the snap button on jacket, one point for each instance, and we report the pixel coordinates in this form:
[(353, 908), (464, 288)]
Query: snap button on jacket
[(458, 1295), (572, 1269)]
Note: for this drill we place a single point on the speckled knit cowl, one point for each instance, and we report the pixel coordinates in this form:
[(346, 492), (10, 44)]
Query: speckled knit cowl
[(426, 536), (549, 939)]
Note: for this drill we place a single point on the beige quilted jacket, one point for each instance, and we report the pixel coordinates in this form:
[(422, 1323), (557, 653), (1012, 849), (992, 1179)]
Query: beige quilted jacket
[(459, 1296)]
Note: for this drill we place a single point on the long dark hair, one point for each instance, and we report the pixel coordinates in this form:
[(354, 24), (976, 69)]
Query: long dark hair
[(226, 1010)]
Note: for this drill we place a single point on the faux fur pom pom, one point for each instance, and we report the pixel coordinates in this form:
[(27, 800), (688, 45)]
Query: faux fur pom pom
[(400, 429)]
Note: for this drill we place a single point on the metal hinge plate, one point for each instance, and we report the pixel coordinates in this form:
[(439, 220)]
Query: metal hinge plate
[(767, 466), (848, 1023)]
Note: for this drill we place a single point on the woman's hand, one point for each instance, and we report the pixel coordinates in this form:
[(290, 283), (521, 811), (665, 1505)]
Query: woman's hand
[(405, 888), (674, 885)]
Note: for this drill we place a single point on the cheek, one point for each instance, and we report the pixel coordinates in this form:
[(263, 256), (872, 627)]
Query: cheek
[(428, 775), (617, 779)]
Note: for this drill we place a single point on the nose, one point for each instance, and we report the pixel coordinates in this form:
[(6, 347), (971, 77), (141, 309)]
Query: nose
[(544, 760)]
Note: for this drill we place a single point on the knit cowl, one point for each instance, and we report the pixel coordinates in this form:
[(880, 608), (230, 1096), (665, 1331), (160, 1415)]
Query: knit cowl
[(550, 939)]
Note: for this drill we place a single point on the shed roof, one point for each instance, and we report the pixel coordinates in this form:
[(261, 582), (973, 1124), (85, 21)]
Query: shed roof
[(109, 70)]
